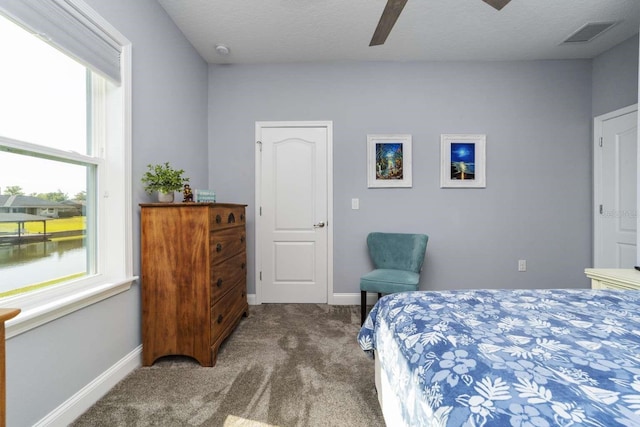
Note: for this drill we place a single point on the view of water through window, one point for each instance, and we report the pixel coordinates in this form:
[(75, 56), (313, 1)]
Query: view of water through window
[(37, 262), (42, 234)]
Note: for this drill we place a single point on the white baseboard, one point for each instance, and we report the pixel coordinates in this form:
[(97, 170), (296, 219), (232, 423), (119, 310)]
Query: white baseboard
[(77, 404), (353, 299), (338, 299), (251, 299)]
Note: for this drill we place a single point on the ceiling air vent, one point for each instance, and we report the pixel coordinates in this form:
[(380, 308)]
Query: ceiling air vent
[(589, 32)]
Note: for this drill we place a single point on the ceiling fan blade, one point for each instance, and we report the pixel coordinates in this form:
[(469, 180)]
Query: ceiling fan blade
[(387, 20), (497, 4)]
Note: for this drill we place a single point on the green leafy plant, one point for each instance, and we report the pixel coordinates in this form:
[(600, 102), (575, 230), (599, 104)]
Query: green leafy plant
[(163, 178)]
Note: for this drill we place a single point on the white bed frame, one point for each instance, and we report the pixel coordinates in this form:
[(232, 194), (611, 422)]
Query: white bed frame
[(389, 402)]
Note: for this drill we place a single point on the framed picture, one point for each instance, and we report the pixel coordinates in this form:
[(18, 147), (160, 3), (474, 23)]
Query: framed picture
[(463, 161), (389, 161)]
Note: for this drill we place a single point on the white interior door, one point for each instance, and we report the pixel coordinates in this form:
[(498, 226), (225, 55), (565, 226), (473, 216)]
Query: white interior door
[(615, 192), (293, 223)]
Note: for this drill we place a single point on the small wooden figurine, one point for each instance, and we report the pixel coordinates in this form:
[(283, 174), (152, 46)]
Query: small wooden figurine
[(188, 194)]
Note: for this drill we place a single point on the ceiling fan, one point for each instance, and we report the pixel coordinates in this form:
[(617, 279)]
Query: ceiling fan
[(392, 11)]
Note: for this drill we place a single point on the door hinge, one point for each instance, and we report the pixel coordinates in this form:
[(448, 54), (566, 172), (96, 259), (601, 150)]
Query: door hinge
[(259, 144), (601, 209), (260, 210), (600, 141), (261, 275)]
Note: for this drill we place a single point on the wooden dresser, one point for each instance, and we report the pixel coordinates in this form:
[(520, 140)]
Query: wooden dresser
[(194, 289)]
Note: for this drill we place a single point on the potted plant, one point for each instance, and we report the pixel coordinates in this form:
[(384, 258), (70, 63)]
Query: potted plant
[(163, 179)]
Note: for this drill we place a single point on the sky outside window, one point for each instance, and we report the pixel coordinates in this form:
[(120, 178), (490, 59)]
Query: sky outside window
[(44, 101)]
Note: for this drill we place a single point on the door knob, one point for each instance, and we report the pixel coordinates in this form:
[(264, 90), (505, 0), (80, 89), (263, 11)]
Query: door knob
[(319, 225)]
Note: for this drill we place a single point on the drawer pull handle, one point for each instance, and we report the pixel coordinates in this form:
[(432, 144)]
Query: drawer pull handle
[(220, 318), (231, 219), (218, 219), (242, 239), (219, 283), (218, 247), (243, 266), (243, 294), (241, 217)]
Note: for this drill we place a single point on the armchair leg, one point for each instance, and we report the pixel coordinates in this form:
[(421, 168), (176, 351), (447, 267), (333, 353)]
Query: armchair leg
[(363, 306)]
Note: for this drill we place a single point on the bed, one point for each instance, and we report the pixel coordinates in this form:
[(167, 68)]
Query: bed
[(507, 357)]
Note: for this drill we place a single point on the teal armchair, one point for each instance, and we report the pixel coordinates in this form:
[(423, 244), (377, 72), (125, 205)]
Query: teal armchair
[(398, 259)]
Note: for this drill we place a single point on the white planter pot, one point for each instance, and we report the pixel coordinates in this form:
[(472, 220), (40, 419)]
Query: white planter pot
[(165, 197)]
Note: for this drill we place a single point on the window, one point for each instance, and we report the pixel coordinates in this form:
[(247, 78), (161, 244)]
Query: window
[(65, 204)]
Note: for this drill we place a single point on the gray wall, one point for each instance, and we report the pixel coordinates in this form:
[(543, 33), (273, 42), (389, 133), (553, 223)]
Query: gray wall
[(537, 118), (615, 78), (49, 364)]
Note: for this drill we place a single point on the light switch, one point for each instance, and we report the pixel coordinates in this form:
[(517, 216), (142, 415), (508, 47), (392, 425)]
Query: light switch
[(355, 203)]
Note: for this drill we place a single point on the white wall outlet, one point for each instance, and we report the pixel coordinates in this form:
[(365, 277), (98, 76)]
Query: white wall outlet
[(355, 203), (522, 265)]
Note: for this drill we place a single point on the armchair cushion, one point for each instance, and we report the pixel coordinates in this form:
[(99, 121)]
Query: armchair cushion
[(387, 281)]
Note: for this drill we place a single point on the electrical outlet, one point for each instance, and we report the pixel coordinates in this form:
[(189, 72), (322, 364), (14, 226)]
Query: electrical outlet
[(355, 203), (522, 265)]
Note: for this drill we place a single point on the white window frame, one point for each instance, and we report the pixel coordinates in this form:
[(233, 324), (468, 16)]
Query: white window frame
[(114, 217)]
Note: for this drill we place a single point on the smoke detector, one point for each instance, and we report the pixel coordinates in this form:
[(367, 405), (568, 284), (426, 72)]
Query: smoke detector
[(222, 49)]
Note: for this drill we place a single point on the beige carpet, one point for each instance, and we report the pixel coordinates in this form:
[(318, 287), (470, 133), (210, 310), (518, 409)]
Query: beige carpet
[(285, 365)]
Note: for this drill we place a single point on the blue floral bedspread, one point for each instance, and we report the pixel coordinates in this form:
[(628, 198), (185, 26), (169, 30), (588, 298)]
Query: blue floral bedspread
[(510, 357)]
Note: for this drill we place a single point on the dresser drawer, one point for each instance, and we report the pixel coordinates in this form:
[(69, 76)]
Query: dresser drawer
[(227, 275), (225, 313), (227, 216), (226, 243)]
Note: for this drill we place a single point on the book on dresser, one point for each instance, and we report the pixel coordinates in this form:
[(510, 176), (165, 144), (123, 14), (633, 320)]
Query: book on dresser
[(193, 263), (204, 196)]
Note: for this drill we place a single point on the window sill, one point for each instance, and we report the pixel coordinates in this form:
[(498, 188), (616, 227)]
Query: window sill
[(55, 303)]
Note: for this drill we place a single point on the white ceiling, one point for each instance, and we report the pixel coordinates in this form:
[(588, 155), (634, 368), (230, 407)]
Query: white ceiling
[(276, 31)]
